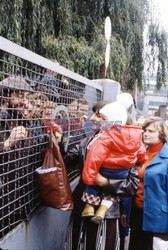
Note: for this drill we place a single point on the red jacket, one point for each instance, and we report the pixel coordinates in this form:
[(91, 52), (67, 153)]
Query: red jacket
[(114, 149)]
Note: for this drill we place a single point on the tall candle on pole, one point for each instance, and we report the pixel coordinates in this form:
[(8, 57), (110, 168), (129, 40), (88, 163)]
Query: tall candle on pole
[(111, 88), (107, 32)]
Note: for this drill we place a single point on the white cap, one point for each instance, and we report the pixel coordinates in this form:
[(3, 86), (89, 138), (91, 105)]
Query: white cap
[(117, 111)]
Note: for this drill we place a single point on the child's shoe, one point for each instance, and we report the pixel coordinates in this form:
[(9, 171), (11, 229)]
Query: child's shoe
[(100, 214), (88, 211)]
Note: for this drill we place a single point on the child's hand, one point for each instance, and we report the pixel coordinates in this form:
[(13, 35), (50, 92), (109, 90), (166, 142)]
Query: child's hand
[(101, 181)]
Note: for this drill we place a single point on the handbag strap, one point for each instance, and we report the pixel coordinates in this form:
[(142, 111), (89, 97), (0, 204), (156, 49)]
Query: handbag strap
[(52, 140), (55, 112), (53, 143)]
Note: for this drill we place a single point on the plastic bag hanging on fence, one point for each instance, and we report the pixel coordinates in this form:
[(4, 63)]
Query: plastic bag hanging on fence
[(52, 178)]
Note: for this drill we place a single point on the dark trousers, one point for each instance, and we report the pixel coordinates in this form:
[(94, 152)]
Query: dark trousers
[(91, 231), (139, 239), (111, 234)]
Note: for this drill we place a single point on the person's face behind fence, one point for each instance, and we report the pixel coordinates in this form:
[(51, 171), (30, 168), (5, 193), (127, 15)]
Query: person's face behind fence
[(48, 109), (78, 109), (29, 111), (83, 109), (38, 108), (72, 108), (19, 99)]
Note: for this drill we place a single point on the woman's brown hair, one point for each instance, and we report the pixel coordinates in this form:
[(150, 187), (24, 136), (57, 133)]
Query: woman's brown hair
[(159, 125), (96, 107)]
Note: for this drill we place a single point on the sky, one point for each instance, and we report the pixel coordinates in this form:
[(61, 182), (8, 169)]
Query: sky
[(163, 7)]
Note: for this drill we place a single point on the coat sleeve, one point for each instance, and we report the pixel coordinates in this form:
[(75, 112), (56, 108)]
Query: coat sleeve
[(141, 155), (95, 158), (71, 156), (1, 142), (124, 187)]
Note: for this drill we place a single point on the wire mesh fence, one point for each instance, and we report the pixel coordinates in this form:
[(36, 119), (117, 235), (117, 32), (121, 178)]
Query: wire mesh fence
[(29, 94)]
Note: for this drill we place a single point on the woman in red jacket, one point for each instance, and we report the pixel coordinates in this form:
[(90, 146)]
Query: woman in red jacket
[(84, 232)]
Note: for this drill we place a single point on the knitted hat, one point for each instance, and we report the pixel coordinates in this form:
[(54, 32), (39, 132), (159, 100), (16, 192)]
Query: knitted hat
[(15, 83), (117, 111)]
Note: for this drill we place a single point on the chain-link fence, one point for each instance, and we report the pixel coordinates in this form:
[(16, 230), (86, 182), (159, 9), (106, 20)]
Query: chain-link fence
[(30, 91)]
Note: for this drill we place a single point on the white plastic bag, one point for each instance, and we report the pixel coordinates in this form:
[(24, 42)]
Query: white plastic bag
[(46, 170)]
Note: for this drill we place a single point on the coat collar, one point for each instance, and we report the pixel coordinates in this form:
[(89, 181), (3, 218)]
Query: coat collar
[(162, 154)]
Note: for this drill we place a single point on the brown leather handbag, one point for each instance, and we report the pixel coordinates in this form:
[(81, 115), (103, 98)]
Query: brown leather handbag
[(52, 178)]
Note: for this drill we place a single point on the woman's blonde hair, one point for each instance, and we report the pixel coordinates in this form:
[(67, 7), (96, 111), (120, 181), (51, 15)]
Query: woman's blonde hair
[(159, 125)]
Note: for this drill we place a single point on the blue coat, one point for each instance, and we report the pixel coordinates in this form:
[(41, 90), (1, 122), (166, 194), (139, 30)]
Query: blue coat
[(155, 209)]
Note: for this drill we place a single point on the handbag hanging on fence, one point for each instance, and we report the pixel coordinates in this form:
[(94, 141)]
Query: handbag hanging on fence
[(52, 178)]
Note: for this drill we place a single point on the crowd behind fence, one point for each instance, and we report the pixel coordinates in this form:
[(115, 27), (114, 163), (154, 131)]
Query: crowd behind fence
[(29, 94)]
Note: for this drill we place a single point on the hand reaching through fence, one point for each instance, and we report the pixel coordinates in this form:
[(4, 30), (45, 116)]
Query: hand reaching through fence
[(57, 130), (16, 135)]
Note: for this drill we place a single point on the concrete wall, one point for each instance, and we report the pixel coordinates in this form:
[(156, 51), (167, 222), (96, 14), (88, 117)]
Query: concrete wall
[(45, 231), (111, 88)]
